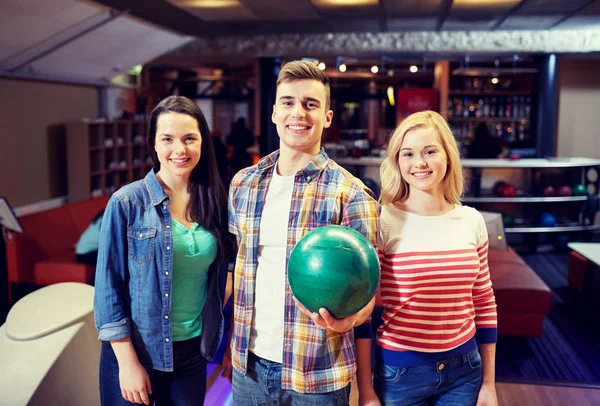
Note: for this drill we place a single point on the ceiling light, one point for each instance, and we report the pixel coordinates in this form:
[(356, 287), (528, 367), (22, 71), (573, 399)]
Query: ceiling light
[(413, 68), (342, 67), (485, 3), (495, 81), (321, 65), (374, 69), (136, 70), (390, 94), (391, 72), (206, 3), (342, 3)]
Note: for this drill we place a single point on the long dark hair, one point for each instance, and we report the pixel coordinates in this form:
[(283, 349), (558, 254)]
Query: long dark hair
[(208, 197)]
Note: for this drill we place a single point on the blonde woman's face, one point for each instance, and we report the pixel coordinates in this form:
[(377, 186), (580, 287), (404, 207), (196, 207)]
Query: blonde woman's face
[(423, 161)]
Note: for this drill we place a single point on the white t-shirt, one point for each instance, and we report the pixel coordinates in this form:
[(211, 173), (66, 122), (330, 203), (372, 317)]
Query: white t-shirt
[(266, 338)]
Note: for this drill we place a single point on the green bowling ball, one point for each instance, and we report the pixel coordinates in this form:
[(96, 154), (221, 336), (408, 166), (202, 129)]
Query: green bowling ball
[(334, 267), (579, 190)]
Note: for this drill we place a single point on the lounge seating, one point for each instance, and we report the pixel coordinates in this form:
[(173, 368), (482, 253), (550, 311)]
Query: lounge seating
[(45, 253)]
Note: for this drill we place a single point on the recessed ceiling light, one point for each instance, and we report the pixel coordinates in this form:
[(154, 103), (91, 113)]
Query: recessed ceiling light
[(206, 3), (342, 3)]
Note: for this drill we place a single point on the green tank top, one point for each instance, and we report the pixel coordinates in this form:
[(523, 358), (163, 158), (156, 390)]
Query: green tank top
[(194, 250)]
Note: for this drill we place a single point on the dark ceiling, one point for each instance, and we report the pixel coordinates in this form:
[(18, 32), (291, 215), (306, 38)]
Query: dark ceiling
[(210, 18)]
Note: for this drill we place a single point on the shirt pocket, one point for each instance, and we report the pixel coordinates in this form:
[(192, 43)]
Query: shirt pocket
[(141, 243)]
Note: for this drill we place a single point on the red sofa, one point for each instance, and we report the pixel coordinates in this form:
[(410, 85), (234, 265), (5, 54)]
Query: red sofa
[(522, 298), (45, 252)]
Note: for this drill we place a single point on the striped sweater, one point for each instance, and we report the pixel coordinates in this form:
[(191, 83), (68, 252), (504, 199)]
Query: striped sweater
[(435, 286)]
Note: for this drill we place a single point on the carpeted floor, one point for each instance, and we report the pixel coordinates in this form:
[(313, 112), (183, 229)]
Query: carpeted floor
[(568, 353)]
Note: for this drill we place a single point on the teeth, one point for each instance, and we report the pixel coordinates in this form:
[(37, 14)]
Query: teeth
[(179, 161), (297, 128), (422, 174)]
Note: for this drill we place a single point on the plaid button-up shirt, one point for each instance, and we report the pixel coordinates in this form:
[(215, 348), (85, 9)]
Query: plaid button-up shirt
[(314, 360)]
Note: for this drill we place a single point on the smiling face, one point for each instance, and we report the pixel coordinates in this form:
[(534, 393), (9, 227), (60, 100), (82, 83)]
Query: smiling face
[(423, 160), (177, 145), (300, 114)]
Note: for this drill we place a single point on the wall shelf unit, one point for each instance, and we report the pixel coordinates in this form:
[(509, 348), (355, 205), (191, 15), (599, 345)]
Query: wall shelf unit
[(104, 156), (530, 203)]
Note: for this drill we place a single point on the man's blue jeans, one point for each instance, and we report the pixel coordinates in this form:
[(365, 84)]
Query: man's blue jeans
[(185, 386), (262, 386), (450, 382)]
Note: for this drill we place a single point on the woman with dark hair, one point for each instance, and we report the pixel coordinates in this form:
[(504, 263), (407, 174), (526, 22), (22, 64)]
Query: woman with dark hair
[(162, 266)]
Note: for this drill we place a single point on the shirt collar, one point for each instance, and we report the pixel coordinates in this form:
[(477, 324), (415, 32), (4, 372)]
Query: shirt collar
[(155, 190), (314, 167)]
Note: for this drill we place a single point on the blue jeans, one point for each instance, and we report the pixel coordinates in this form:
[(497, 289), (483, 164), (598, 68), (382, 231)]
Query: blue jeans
[(262, 386), (185, 386), (450, 382)]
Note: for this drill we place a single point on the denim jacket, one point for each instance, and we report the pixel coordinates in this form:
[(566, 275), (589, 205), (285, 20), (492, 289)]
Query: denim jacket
[(134, 277)]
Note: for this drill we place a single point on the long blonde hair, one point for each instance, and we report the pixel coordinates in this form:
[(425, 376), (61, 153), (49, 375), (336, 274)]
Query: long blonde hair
[(393, 186)]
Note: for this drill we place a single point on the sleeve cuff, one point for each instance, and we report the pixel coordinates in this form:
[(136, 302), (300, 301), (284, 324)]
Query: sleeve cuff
[(486, 335), (363, 331), (115, 331)]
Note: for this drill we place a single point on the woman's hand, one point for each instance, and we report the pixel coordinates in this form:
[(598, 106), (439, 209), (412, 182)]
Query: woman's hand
[(487, 395), (133, 378), (135, 382), (367, 397), (226, 364)]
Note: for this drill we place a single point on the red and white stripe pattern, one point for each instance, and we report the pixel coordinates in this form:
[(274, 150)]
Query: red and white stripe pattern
[(434, 300)]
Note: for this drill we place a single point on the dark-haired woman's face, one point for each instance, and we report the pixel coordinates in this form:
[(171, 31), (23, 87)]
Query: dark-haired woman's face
[(177, 144)]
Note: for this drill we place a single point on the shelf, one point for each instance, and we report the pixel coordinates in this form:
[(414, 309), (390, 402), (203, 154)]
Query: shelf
[(524, 199), (575, 162), (494, 93), (142, 166), (477, 119), (551, 162), (556, 229), (88, 151)]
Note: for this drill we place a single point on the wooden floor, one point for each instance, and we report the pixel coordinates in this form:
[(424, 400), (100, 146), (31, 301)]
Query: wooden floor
[(509, 394)]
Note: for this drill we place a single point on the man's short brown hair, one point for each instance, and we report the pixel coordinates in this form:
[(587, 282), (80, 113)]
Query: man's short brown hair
[(303, 70)]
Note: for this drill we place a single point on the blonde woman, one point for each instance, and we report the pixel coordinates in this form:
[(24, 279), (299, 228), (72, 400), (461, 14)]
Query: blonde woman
[(436, 344)]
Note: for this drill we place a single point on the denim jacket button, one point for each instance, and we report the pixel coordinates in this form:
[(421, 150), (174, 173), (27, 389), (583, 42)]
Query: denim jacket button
[(166, 317), (168, 248), (166, 295), (168, 226), (166, 339), (166, 273)]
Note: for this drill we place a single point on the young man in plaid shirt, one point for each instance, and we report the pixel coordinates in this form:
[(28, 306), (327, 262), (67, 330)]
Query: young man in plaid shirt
[(281, 353)]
